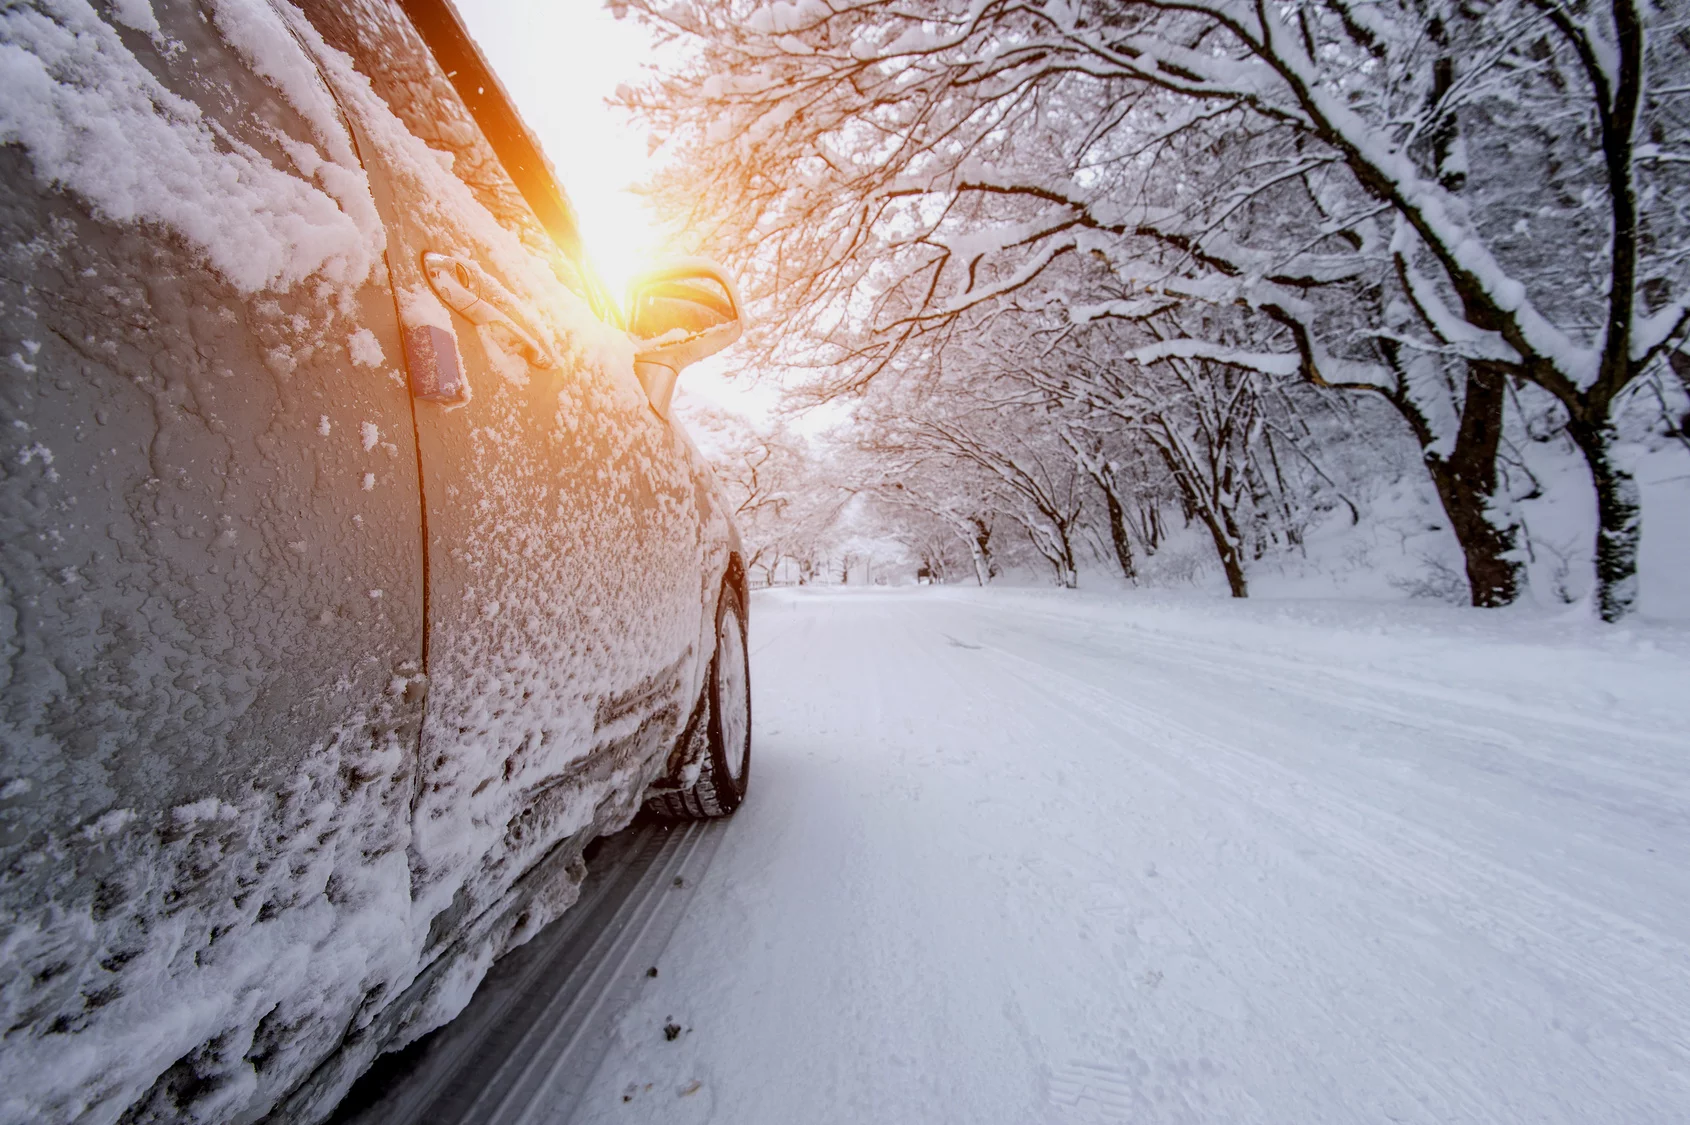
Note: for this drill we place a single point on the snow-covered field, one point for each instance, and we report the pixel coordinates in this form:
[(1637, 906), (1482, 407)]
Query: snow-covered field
[(1017, 856)]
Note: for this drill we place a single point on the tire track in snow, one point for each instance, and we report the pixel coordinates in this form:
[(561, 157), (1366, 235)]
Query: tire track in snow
[(1650, 809), (1463, 1092), (1269, 667), (1169, 1089), (1616, 951), (976, 885)]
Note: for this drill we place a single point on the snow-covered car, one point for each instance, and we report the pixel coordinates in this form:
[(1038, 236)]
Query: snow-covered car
[(355, 577)]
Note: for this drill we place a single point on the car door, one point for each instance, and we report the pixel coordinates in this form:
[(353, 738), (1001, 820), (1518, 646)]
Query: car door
[(566, 547), (211, 570)]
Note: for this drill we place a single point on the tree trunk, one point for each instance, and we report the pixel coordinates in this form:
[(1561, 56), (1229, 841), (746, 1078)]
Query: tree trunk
[(1227, 546), (1223, 529), (1050, 538), (1234, 575), (979, 548), (1466, 481), (1619, 517), (1488, 550), (1467, 484), (1118, 536), (1070, 575), (1057, 550), (1064, 577)]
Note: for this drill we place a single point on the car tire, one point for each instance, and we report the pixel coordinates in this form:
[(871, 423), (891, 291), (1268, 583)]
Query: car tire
[(725, 769)]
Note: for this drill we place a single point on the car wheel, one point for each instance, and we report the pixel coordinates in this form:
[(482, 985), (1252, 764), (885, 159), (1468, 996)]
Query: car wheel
[(725, 769)]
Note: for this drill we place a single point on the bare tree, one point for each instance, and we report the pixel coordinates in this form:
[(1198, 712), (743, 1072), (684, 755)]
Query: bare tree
[(1203, 419), (1088, 447), (965, 517), (786, 505), (972, 430), (1494, 189)]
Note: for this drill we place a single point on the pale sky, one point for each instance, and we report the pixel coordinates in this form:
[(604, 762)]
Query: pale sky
[(560, 60)]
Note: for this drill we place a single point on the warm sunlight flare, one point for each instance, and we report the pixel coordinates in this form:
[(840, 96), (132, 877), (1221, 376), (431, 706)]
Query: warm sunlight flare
[(621, 238), (560, 63)]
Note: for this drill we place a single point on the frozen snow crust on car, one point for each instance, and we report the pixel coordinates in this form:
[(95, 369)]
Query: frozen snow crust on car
[(95, 120), (186, 935)]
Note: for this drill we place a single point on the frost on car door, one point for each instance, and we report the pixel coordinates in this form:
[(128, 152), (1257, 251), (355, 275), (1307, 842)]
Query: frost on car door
[(211, 611), (564, 537)]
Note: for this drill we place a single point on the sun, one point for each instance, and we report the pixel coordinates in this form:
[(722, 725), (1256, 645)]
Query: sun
[(562, 63), (617, 229)]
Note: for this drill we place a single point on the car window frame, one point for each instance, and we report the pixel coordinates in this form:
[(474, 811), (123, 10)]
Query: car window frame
[(490, 106)]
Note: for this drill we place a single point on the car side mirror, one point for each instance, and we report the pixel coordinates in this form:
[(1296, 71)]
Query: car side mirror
[(678, 315)]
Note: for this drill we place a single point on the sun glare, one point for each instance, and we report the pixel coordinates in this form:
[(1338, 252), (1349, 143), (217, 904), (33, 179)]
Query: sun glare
[(618, 229), (561, 62)]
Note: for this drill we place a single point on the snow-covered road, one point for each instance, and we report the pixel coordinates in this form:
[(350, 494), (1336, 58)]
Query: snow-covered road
[(1028, 857)]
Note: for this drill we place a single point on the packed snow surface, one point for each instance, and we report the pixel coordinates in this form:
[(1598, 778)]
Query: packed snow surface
[(1027, 857)]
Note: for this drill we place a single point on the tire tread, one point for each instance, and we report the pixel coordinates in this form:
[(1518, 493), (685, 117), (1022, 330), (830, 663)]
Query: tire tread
[(705, 800)]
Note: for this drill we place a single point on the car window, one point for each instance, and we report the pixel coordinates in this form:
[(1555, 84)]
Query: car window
[(387, 50)]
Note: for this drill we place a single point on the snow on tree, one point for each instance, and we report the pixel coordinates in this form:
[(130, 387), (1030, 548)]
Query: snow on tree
[(786, 507), (1425, 201)]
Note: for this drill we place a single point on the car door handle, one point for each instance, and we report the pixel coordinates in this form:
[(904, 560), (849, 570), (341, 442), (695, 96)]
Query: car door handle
[(470, 292)]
